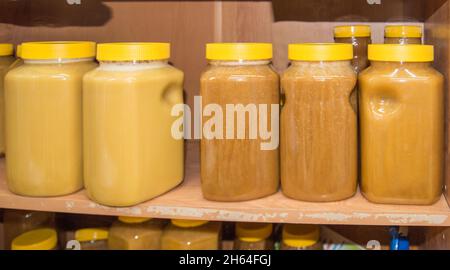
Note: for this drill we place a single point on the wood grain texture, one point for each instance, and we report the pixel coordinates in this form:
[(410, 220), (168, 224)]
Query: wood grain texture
[(437, 33), (187, 202)]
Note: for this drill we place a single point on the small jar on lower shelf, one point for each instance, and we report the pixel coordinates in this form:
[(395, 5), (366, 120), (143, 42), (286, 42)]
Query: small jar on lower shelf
[(39, 239), (135, 233), (17, 222), (253, 236), (92, 238), (191, 235), (301, 237)]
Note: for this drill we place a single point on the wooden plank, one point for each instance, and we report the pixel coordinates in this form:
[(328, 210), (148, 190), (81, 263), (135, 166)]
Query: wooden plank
[(186, 202), (437, 32)]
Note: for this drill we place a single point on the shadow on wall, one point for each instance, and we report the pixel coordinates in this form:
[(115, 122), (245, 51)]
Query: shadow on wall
[(55, 13)]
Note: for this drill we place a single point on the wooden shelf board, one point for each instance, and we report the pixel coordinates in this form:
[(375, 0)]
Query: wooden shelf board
[(186, 202)]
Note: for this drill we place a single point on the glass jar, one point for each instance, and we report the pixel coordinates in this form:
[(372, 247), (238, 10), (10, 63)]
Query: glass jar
[(38, 239), (253, 236), (301, 237), (360, 37), (319, 124), (191, 235), (68, 224), (402, 125), (6, 60), (134, 233), (92, 238), (17, 222), (402, 34), (237, 163), (127, 105), (43, 118)]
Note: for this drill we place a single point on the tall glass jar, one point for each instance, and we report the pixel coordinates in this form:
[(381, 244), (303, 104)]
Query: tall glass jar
[(191, 235), (92, 238), (43, 118), (17, 222), (135, 233), (130, 153), (6, 60), (253, 236), (402, 125), (402, 34), (360, 37), (301, 237), (238, 161), (318, 124), (38, 239)]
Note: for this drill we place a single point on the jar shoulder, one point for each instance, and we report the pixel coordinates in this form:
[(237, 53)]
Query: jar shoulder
[(265, 72)]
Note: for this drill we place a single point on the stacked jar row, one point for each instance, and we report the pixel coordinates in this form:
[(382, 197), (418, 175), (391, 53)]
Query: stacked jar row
[(110, 127), (30, 230)]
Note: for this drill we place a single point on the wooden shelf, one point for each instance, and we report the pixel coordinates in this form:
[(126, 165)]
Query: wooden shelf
[(186, 202)]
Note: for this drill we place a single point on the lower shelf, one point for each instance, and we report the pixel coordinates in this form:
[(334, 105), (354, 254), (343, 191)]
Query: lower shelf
[(186, 202)]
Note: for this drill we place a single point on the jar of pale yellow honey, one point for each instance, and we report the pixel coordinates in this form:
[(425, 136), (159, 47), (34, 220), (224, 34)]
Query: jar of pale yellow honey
[(43, 118), (6, 61), (319, 124), (191, 235), (130, 153), (403, 34), (402, 125), (135, 233)]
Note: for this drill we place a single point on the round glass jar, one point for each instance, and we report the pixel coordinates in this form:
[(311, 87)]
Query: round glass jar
[(360, 37)]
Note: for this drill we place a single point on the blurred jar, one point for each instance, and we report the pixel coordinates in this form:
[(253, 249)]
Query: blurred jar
[(92, 238), (191, 235), (360, 37), (39, 239), (17, 222), (402, 34), (68, 224), (301, 237), (135, 233), (253, 236), (6, 61)]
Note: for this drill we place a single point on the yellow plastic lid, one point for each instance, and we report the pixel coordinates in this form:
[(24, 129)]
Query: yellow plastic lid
[(403, 31), (39, 239), (253, 232), (133, 219), (6, 49), (238, 51), (185, 223), (91, 234), (57, 50), (320, 52), (19, 51), (130, 51), (346, 31), (300, 235), (401, 53)]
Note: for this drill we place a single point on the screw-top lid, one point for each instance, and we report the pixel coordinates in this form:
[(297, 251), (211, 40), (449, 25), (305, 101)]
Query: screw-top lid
[(6, 49), (346, 31), (57, 50), (253, 232), (91, 234), (320, 52), (403, 31), (130, 51), (238, 51), (185, 223), (39, 239), (401, 53), (133, 219), (295, 235)]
